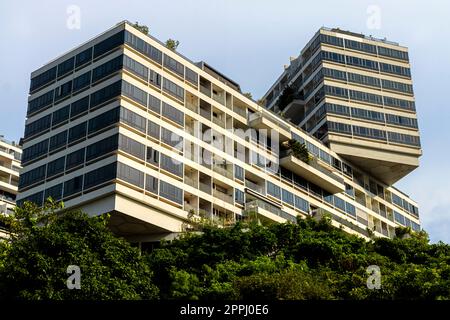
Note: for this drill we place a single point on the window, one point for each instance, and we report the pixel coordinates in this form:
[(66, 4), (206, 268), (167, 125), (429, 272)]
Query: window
[(171, 192), (66, 67), (273, 190), (37, 126), (336, 91), (40, 102), (367, 114), (73, 186), (30, 177), (360, 46), (171, 138), (60, 115), (172, 113), (82, 81), (130, 175), (401, 121), (174, 65), (369, 133), (103, 95), (79, 107), (301, 204), (43, 79), (337, 109), (63, 91), (83, 57), (324, 38), (107, 68), (154, 104), (350, 209), (143, 47), (339, 203), (349, 190), (134, 93), (101, 175), (131, 146), (339, 127), (132, 119), (390, 68), (55, 167), (365, 80), (362, 63), (153, 129), (239, 172), (399, 103), (104, 120), (102, 147), (109, 44), (397, 86), (287, 197), (366, 97), (75, 159), (36, 198), (136, 68), (239, 196), (399, 218), (155, 78), (35, 151), (404, 139), (77, 132), (173, 89), (152, 156), (331, 56), (191, 76), (151, 184), (54, 192), (171, 165), (58, 141), (388, 52)]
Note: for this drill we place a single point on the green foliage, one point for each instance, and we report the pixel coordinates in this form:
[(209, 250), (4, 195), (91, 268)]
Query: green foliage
[(297, 149), (172, 44), (307, 260), (45, 242), (248, 95), (141, 28)]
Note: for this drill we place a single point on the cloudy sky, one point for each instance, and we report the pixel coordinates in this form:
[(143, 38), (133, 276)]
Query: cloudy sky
[(250, 41)]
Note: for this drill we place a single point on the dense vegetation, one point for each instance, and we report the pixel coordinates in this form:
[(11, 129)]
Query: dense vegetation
[(307, 260)]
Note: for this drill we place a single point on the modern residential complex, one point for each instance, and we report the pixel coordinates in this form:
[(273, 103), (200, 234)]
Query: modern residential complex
[(123, 124), (10, 154)]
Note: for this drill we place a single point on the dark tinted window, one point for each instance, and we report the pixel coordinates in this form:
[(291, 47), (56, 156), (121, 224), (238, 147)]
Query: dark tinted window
[(109, 44), (56, 166), (73, 186), (83, 57)]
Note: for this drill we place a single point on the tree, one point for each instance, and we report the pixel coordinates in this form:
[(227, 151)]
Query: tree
[(46, 241), (248, 95), (297, 149), (172, 44), (142, 28)]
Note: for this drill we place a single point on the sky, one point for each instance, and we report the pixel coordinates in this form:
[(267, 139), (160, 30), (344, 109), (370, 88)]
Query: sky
[(250, 41)]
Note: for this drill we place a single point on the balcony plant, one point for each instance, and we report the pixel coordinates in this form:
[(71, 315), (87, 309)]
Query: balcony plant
[(297, 149)]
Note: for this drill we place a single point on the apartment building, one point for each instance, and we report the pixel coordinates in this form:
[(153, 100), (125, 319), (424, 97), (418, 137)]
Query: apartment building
[(355, 94), (122, 124), (10, 154)]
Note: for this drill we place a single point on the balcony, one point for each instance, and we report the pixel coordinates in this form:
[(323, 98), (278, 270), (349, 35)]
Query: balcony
[(314, 173), (226, 171), (268, 211), (258, 120), (255, 187), (223, 196)]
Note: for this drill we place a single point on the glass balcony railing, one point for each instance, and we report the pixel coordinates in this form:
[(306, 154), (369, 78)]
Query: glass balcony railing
[(255, 187), (223, 196)]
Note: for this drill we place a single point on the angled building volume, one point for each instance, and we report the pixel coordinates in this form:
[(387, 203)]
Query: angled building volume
[(123, 124)]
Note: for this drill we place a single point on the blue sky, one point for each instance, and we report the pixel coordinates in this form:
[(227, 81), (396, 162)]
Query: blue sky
[(250, 41)]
